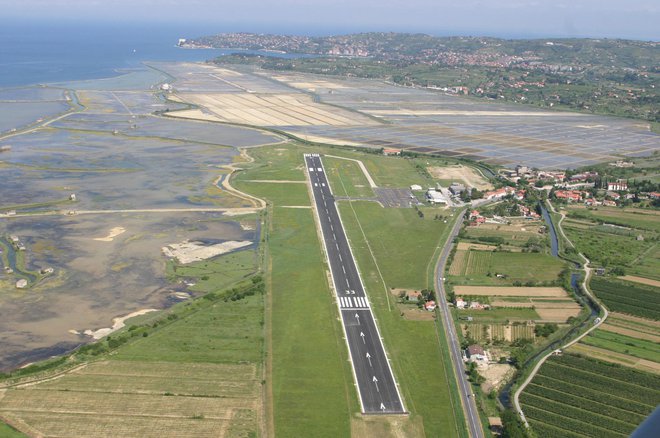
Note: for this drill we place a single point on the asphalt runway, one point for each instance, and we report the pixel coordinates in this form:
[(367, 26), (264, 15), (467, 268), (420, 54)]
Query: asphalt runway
[(377, 389)]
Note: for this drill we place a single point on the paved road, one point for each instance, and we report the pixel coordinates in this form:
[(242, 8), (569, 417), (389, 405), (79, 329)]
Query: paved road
[(464, 386), (377, 389)]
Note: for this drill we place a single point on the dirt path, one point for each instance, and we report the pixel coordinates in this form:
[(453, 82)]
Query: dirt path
[(585, 288), (256, 202)]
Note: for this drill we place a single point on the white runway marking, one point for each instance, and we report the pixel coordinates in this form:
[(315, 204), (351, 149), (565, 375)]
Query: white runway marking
[(353, 303)]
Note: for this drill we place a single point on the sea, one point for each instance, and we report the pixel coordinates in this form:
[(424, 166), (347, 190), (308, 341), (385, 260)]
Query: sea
[(46, 52)]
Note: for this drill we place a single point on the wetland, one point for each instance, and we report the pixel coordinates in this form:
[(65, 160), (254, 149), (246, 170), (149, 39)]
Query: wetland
[(94, 190)]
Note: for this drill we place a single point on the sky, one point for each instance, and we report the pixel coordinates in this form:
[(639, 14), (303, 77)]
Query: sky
[(634, 19)]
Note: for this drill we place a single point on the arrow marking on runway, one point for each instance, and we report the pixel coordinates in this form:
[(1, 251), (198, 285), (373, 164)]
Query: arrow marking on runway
[(369, 359), (375, 380), (363, 341)]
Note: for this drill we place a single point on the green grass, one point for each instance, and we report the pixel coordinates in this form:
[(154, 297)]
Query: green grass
[(9, 432), (624, 344), (478, 262), (648, 264), (274, 163), (210, 330), (312, 385), (518, 267), (278, 194), (223, 332), (501, 315), (403, 244), (513, 238), (216, 273), (633, 218), (314, 393), (607, 249), (346, 178), (393, 171)]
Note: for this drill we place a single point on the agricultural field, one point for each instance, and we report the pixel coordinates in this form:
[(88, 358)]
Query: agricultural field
[(494, 291), (623, 344), (616, 243), (514, 268), (626, 297), (641, 219), (540, 304), (639, 326), (573, 396), (516, 234), (485, 333), (183, 374), (501, 315)]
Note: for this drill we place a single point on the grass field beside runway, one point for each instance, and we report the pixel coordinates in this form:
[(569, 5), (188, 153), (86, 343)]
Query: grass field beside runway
[(312, 386), (315, 392), (355, 184), (403, 244)]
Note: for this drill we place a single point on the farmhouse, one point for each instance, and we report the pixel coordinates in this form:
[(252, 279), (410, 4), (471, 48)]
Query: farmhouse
[(476, 305), (430, 306), (476, 353), (414, 296), (460, 303), (527, 212), (391, 151), (21, 284)]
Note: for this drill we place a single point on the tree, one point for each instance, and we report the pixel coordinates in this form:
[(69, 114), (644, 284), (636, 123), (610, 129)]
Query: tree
[(545, 330), (476, 194), (513, 427)]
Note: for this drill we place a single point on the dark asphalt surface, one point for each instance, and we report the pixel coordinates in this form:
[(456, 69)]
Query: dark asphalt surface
[(377, 388), (464, 385)]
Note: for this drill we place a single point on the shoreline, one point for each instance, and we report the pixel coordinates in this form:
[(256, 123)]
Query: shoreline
[(117, 324)]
